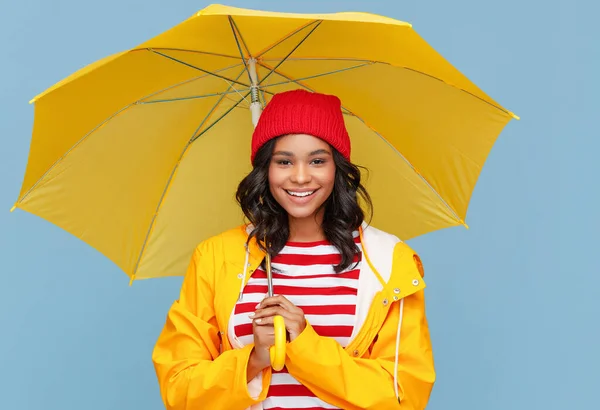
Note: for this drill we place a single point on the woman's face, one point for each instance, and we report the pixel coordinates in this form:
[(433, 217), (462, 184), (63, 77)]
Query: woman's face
[(301, 174)]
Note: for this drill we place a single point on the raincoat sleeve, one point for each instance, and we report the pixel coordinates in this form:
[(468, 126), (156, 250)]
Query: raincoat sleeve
[(191, 372), (348, 382)]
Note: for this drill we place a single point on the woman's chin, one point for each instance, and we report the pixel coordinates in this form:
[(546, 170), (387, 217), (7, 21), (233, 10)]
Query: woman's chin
[(300, 214)]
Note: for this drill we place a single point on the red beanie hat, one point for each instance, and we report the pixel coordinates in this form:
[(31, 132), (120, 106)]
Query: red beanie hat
[(303, 112)]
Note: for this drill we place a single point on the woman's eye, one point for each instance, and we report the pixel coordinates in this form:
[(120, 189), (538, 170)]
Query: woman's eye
[(318, 161), (284, 162)]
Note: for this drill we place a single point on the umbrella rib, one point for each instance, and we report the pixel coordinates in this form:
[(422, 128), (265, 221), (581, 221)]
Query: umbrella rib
[(193, 97), (281, 40), (235, 30), (187, 51), (198, 68), (200, 77), (415, 170), (318, 23), (319, 75), (174, 171), (357, 60), (204, 131), (237, 33)]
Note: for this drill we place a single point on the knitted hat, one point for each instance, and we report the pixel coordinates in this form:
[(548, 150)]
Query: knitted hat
[(303, 112)]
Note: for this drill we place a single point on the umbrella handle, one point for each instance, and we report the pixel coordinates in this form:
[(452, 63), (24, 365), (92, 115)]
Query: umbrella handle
[(278, 350)]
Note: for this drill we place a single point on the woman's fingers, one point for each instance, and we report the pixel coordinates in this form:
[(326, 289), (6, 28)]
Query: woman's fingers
[(265, 316), (293, 316), (264, 321), (268, 311), (277, 300)]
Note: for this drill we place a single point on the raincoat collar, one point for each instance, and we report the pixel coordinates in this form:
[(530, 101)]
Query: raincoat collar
[(381, 252)]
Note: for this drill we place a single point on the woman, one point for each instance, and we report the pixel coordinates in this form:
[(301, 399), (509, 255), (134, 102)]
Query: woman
[(351, 295)]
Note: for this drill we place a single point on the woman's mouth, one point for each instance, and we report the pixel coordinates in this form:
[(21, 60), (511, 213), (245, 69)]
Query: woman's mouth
[(300, 194)]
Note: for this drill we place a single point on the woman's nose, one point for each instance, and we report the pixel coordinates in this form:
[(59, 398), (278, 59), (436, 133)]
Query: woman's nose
[(301, 174)]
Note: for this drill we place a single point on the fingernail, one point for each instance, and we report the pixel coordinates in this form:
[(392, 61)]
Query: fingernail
[(251, 315), (258, 320), (257, 306)]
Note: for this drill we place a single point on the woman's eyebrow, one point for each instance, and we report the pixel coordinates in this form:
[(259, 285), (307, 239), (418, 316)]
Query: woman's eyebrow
[(320, 152), (291, 154)]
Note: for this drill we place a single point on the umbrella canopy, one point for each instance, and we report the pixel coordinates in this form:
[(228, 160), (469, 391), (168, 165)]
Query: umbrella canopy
[(140, 153)]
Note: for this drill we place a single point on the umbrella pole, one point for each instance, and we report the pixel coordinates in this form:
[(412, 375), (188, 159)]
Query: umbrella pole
[(269, 276), (255, 106)]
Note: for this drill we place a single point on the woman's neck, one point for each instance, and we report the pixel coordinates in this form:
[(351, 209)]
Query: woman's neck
[(306, 229)]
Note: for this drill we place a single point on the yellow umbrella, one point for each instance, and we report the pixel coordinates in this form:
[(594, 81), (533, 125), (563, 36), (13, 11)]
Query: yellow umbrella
[(140, 153)]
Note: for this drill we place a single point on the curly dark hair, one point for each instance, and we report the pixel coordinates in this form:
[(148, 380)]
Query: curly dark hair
[(343, 213)]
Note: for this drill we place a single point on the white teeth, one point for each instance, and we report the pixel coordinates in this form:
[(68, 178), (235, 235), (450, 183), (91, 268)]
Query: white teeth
[(300, 194)]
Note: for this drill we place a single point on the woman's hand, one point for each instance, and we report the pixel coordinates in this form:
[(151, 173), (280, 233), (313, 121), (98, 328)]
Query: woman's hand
[(292, 315), (264, 333), (260, 358)]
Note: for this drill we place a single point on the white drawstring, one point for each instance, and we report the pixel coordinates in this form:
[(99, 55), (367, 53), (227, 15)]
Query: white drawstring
[(243, 278), (398, 350)]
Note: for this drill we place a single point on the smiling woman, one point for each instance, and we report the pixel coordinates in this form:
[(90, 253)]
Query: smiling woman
[(351, 296), (297, 180), (301, 178)]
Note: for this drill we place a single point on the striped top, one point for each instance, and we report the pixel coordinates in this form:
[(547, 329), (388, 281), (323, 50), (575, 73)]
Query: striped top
[(303, 272)]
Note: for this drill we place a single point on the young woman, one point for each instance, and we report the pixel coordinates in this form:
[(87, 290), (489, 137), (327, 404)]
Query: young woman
[(351, 295)]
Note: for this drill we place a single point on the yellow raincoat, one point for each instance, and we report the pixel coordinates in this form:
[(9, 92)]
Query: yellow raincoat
[(388, 363)]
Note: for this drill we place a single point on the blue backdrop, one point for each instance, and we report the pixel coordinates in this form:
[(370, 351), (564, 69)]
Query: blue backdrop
[(512, 302)]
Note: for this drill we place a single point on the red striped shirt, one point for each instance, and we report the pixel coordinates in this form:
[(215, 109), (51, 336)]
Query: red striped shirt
[(303, 273)]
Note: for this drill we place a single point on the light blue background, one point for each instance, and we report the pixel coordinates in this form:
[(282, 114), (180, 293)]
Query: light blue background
[(512, 302)]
